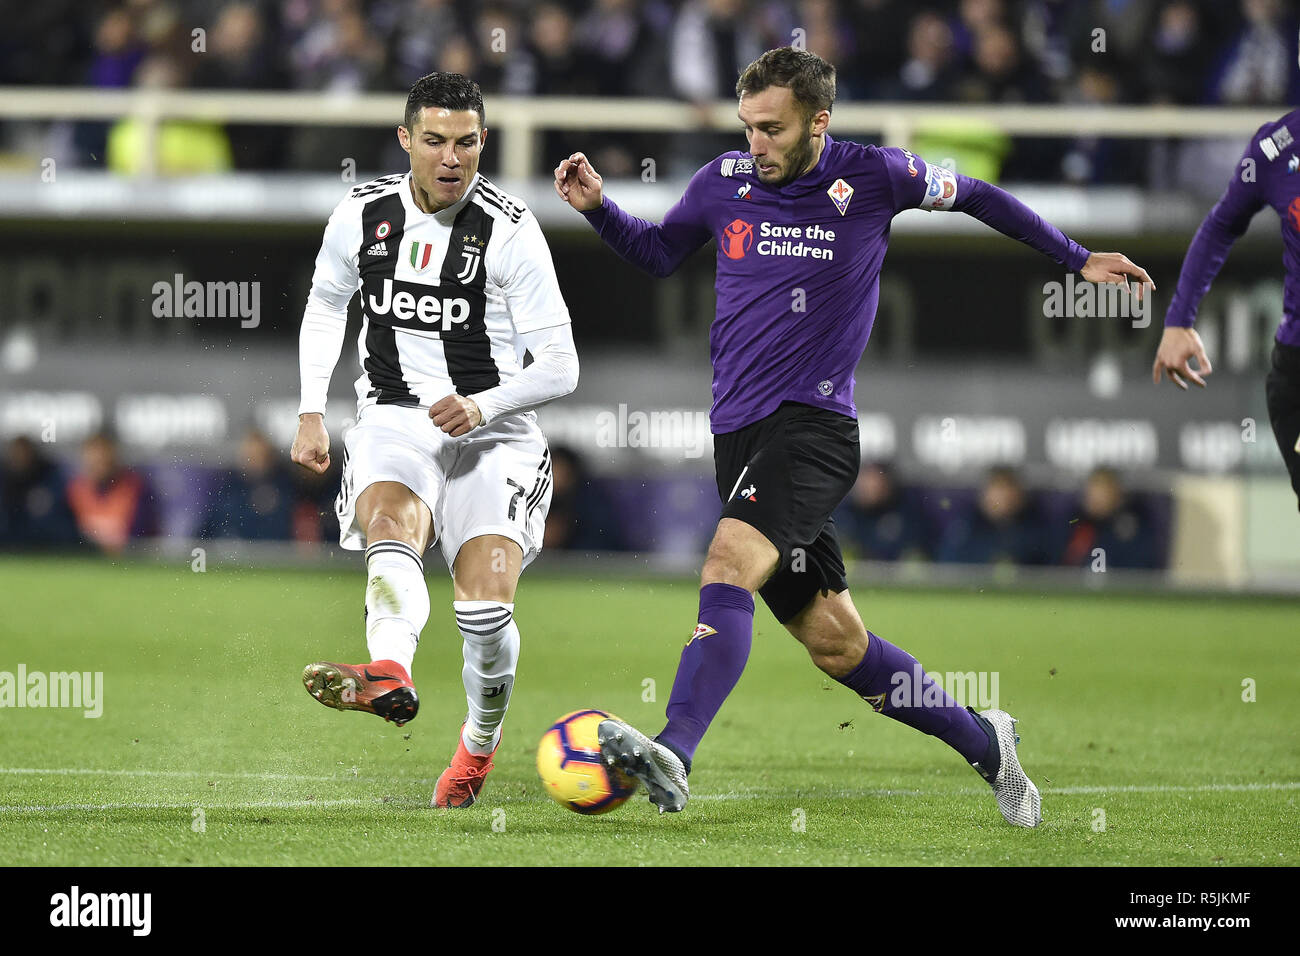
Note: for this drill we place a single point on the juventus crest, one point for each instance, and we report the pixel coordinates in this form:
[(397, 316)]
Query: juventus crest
[(472, 253)]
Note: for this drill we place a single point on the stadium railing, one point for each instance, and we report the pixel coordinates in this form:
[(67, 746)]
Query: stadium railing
[(516, 119)]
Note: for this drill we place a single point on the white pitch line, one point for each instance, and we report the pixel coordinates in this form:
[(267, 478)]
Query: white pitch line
[(231, 774), (251, 805), (1047, 791), (734, 795), (1177, 788), (376, 801)]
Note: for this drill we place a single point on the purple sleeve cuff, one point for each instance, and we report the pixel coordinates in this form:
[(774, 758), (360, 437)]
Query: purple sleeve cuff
[(1077, 257), (598, 215)]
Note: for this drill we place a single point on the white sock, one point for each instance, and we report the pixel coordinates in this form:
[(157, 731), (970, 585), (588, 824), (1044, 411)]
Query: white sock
[(397, 602), (491, 652)]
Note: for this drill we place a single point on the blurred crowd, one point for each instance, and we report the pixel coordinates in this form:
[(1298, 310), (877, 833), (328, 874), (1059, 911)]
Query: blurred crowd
[(1079, 53), (103, 504), (1102, 526)]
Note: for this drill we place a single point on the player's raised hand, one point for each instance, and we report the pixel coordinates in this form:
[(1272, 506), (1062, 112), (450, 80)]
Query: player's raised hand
[(1178, 346), (456, 415), (311, 445), (578, 183), (1115, 268)]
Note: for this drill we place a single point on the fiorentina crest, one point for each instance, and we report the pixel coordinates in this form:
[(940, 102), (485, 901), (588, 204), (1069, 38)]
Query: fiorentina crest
[(701, 630), (840, 193)]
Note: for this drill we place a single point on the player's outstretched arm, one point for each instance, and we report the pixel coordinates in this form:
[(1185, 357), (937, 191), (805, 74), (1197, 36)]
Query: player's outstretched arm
[(999, 209), (1008, 215), (657, 248)]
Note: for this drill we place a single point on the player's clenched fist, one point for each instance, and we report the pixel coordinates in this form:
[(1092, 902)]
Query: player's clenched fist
[(577, 183), (311, 445), (456, 415)]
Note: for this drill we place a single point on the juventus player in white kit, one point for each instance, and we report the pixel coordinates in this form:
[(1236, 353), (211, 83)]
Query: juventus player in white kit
[(456, 284)]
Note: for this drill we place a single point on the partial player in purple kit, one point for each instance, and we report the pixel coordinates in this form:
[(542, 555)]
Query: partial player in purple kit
[(1267, 175), (801, 224)]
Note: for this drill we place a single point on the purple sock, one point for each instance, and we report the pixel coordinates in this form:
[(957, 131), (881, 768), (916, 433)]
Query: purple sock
[(893, 683), (711, 663)]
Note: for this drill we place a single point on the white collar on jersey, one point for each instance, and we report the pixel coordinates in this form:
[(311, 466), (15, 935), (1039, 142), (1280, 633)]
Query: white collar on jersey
[(449, 214)]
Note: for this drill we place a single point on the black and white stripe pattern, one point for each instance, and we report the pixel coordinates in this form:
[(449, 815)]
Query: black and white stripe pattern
[(376, 186), (394, 547), (383, 363), (468, 351), (496, 198), (342, 504), (442, 294), (484, 620), (540, 486)]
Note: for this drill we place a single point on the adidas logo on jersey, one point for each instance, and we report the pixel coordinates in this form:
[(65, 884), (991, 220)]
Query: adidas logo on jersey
[(405, 305), (378, 249)]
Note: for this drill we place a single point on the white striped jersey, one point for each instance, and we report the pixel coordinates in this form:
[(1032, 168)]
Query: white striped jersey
[(444, 295)]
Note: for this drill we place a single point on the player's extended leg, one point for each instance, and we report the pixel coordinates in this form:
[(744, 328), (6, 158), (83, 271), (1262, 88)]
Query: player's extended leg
[(486, 571), (397, 527), (883, 675), (492, 519), (740, 559)]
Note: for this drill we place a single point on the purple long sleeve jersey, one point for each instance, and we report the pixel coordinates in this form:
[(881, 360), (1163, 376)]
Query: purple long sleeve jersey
[(1268, 174), (798, 267)]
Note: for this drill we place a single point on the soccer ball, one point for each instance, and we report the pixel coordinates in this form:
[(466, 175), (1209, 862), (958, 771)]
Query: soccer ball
[(571, 768)]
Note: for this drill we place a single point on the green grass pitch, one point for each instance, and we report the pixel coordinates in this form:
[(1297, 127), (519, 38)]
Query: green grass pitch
[(1130, 708)]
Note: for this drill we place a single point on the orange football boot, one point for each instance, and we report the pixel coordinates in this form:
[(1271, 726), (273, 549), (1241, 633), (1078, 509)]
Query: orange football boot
[(460, 784), (383, 688)]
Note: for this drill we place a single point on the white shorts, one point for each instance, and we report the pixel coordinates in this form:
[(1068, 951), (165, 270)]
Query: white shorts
[(494, 480)]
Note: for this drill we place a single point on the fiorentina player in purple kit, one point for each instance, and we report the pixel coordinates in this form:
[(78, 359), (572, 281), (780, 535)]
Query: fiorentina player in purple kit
[(801, 223), (1268, 175)]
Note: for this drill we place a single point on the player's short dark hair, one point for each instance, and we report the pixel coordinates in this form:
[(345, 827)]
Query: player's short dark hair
[(449, 91), (810, 79)]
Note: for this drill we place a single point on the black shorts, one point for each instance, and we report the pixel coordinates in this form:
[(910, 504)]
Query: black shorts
[(1282, 389), (784, 475)]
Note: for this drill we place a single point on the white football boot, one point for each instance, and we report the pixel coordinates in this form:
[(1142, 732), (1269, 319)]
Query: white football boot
[(1018, 798), (661, 770)]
